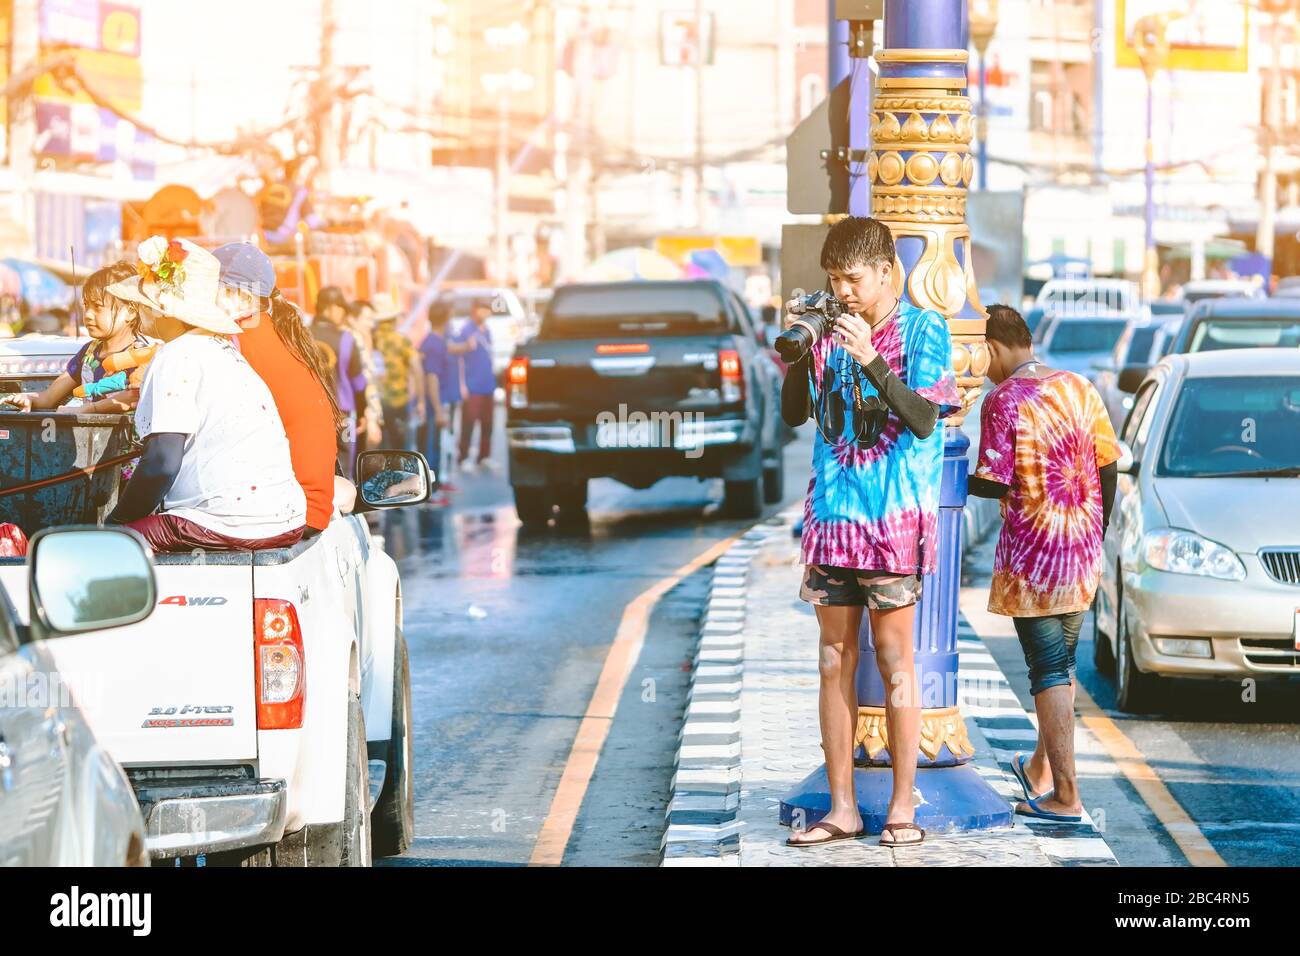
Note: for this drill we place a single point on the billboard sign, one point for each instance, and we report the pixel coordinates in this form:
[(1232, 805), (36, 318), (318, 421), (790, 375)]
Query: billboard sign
[(1209, 35)]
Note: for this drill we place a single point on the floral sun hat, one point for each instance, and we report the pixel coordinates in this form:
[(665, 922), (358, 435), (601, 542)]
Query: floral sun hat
[(180, 280)]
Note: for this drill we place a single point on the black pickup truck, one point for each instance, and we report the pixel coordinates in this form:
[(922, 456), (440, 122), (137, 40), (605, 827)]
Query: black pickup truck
[(639, 381)]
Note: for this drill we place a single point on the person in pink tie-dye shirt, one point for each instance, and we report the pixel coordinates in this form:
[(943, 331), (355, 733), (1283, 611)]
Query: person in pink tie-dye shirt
[(1048, 451)]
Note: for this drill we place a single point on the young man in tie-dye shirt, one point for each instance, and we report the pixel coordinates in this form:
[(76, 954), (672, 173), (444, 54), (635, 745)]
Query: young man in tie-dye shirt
[(877, 388), (1048, 451)]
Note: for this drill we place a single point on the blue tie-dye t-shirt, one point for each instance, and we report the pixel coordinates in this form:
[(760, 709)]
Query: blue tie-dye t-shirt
[(878, 509)]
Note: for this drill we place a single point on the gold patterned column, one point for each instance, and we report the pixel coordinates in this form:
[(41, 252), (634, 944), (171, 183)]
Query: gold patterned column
[(921, 167)]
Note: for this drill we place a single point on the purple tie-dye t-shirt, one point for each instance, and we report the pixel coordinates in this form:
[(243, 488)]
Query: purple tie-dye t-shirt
[(878, 509)]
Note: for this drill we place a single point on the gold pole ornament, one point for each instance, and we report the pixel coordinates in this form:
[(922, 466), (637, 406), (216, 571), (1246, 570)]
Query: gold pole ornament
[(920, 168)]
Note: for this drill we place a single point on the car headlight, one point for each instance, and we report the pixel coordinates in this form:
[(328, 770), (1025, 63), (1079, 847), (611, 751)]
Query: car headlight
[(1182, 552)]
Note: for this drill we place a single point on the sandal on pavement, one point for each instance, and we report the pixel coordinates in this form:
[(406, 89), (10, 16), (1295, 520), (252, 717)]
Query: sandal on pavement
[(893, 828), (1038, 813), (1022, 778), (834, 835)]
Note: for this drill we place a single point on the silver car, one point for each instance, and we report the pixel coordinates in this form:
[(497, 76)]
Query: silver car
[(1201, 573), (63, 800)]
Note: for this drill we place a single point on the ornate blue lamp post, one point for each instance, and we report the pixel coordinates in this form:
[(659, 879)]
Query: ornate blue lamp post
[(920, 168)]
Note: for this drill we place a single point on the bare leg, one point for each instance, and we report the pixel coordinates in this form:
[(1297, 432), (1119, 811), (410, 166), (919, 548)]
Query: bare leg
[(1038, 769), (837, 708), (1055, 707), (892, 630)]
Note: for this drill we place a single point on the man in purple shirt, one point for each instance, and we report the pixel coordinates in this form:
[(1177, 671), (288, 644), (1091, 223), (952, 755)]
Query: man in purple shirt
[(474, 344)]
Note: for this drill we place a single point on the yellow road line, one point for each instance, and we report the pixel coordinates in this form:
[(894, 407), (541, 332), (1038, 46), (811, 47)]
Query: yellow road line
[(619, 661), (1176, 821)]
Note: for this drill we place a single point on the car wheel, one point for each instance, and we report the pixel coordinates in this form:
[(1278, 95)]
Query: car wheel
[(774, 480), (356, 801), (1103, 656), (744, 499), (533, 505), (393, 818), (1132, 687)]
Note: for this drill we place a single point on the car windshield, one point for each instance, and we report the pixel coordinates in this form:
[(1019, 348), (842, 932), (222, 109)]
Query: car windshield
[(1234, 426), (649, 308), (1139, 348), (1086, 335), (1214, 335)]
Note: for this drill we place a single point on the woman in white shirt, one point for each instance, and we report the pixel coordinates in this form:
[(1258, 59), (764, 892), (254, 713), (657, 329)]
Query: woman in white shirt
[(215, 456)]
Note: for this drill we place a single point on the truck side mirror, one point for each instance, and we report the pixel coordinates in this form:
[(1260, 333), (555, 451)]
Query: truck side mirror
[(388, 478), (87, 578)]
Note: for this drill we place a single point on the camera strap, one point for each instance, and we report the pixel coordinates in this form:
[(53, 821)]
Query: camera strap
[(821, 398)]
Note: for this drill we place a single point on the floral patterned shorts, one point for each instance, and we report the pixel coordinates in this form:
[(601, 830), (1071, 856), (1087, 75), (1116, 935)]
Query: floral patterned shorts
[(829, 586)]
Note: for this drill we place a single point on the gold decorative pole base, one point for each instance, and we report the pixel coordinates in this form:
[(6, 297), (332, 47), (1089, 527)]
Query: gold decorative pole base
[(939, 727)]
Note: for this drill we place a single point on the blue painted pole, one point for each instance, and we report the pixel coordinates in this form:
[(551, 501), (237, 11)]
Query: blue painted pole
[(919, 170)]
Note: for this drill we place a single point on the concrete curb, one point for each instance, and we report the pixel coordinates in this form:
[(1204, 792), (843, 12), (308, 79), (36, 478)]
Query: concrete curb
[(702, 828)]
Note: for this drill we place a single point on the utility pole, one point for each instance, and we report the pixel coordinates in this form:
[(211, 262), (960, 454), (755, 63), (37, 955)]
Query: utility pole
[(502, 179), (983, 15), (327, 145), (1264, 235), (515, 81), (1151, 43), (579, 184), (22, 117), (700, 53)]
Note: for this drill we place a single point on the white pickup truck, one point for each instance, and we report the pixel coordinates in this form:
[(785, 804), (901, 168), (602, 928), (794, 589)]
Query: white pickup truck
[(253, 701)]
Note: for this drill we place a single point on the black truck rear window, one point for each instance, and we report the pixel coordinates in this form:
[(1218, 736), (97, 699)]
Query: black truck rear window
[(645, 308)]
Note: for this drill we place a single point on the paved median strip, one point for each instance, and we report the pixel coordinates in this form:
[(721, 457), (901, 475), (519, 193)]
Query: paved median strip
[(733, 766)]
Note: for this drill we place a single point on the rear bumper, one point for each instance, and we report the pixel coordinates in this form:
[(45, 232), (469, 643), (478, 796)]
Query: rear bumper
[(708, 448), (207, 816), (683, 436)]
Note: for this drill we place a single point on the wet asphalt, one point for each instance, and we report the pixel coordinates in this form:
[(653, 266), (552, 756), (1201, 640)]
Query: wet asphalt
[(508, 630)]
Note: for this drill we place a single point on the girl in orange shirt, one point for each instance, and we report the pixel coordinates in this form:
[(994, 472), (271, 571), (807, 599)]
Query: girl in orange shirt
[(278, 346)]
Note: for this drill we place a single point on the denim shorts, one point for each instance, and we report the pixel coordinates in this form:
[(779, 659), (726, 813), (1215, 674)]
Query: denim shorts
[(829, 586), (1049, 643)]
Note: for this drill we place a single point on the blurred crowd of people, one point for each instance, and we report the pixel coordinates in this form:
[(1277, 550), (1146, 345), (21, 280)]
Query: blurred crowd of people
[(433, 395)]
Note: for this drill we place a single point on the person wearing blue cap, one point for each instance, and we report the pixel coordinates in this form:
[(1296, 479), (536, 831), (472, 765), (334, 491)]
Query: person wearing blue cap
[(278, 346)]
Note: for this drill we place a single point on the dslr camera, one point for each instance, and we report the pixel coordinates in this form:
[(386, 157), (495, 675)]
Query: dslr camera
[(816, 318)]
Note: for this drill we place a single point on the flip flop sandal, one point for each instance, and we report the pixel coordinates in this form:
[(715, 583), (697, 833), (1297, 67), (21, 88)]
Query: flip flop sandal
[(893, 828), (1022, 778), (1038, 813), (835, 834)]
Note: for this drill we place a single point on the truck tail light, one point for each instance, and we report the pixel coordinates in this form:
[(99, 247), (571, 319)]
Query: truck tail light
[(733, 378), (517, 378), (279, 663)]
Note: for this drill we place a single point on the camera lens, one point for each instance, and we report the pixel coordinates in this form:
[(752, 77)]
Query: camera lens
[(793, 343)]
